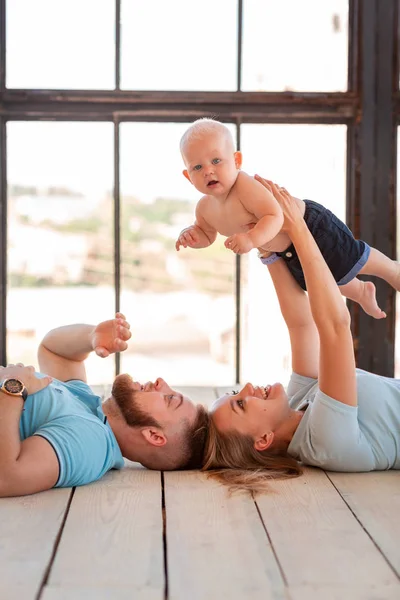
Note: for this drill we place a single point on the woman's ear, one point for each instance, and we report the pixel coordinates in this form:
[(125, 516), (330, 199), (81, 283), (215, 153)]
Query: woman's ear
[(264, 442), (154, 436), (238, 160), (186, 174)]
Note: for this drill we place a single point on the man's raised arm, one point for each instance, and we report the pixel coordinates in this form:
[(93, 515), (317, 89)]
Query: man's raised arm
[(63, 351)]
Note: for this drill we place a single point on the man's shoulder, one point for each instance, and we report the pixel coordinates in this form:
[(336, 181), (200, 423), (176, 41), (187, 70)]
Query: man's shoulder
[(85, 446), (68, 398), (78, 386)]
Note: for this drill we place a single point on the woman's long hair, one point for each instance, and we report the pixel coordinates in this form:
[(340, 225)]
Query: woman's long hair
[(233, 460)]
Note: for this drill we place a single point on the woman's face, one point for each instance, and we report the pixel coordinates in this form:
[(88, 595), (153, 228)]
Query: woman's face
[(254, 411)]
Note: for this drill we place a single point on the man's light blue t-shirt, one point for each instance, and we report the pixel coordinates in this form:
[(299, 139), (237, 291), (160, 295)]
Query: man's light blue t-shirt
[(69, 416), (338, 437)]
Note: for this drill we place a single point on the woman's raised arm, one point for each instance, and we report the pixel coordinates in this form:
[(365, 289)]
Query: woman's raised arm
[(295, 309), (337, 376)]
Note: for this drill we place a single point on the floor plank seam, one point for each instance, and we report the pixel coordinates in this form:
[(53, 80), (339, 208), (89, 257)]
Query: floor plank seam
[(364, 528), (278, 562), (164, 519), (55, 547)]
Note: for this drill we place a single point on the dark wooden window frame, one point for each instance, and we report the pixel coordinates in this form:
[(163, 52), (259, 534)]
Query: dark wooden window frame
[(370, 109)]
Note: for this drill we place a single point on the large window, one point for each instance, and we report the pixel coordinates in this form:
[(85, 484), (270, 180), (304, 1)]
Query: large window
[(94, 97)]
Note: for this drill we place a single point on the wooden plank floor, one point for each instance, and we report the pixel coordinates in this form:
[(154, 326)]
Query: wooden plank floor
[(145, 535)]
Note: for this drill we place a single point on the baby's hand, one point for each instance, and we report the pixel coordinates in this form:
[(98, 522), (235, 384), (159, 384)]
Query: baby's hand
[(239, 243), (188, 237)]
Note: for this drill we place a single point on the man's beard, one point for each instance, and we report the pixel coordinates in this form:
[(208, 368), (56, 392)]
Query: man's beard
[(124, 396)]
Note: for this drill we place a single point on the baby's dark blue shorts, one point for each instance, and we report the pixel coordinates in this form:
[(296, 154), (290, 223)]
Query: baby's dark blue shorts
[(344, 255)]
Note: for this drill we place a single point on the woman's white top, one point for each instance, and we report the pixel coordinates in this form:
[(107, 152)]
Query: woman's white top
[(338, 437)]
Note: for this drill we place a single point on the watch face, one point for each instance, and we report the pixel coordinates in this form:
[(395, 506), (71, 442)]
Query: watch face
[(13, 386)]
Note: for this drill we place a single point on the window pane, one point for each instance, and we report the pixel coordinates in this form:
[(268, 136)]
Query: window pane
[(62, 45), (182, 303), (179, 45), (293, 45), (60, 227), (309, 160)]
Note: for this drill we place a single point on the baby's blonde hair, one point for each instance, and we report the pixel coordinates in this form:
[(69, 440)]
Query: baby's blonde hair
[(202, 128)]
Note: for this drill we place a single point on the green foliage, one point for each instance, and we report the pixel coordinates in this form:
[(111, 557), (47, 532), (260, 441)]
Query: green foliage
[(210, 270)]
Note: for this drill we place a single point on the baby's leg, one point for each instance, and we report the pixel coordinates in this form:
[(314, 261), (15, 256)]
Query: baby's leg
[(384, 267), (364, 293)]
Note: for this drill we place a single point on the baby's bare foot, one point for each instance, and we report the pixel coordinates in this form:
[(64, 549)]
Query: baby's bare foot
[(368, 301)]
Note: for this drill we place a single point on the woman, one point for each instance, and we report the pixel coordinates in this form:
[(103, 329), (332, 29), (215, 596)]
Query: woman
[(333, 415)]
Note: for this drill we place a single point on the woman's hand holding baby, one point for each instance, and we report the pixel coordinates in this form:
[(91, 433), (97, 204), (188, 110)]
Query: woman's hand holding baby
[(291, 212)]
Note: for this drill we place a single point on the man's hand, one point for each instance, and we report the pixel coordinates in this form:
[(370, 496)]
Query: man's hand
[(188, 238), (239, 243), (27, 375), (111, 336), (63, 350)]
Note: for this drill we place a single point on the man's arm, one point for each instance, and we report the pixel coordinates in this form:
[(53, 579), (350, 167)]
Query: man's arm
[(30, 466), (63, 351), (296, 311), (35, 470)]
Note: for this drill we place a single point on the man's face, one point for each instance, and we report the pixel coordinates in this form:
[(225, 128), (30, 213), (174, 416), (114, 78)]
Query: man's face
[(153, 404)]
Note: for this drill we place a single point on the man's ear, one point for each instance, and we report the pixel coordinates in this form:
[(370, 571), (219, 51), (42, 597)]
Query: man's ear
[(264, 442), (186, 174), (154, 436), (238, 160)]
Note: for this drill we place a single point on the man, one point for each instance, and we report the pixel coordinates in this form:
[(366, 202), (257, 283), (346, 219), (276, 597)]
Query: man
[(54, 432)]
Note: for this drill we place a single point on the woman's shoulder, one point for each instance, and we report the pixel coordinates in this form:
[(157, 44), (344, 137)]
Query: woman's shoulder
[(329, 437), (300, 390)]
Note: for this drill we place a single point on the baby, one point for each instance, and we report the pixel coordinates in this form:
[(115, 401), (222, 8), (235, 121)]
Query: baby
[(242, 209)]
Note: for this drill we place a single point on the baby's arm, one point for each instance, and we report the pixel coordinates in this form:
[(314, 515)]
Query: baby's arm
[(199, 235), (258, 201), (261, 203)]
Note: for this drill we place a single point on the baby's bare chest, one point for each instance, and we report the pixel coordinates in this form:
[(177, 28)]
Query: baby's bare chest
[(229, 217)]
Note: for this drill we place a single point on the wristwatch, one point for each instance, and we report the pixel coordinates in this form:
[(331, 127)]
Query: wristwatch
[(14, 387)]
